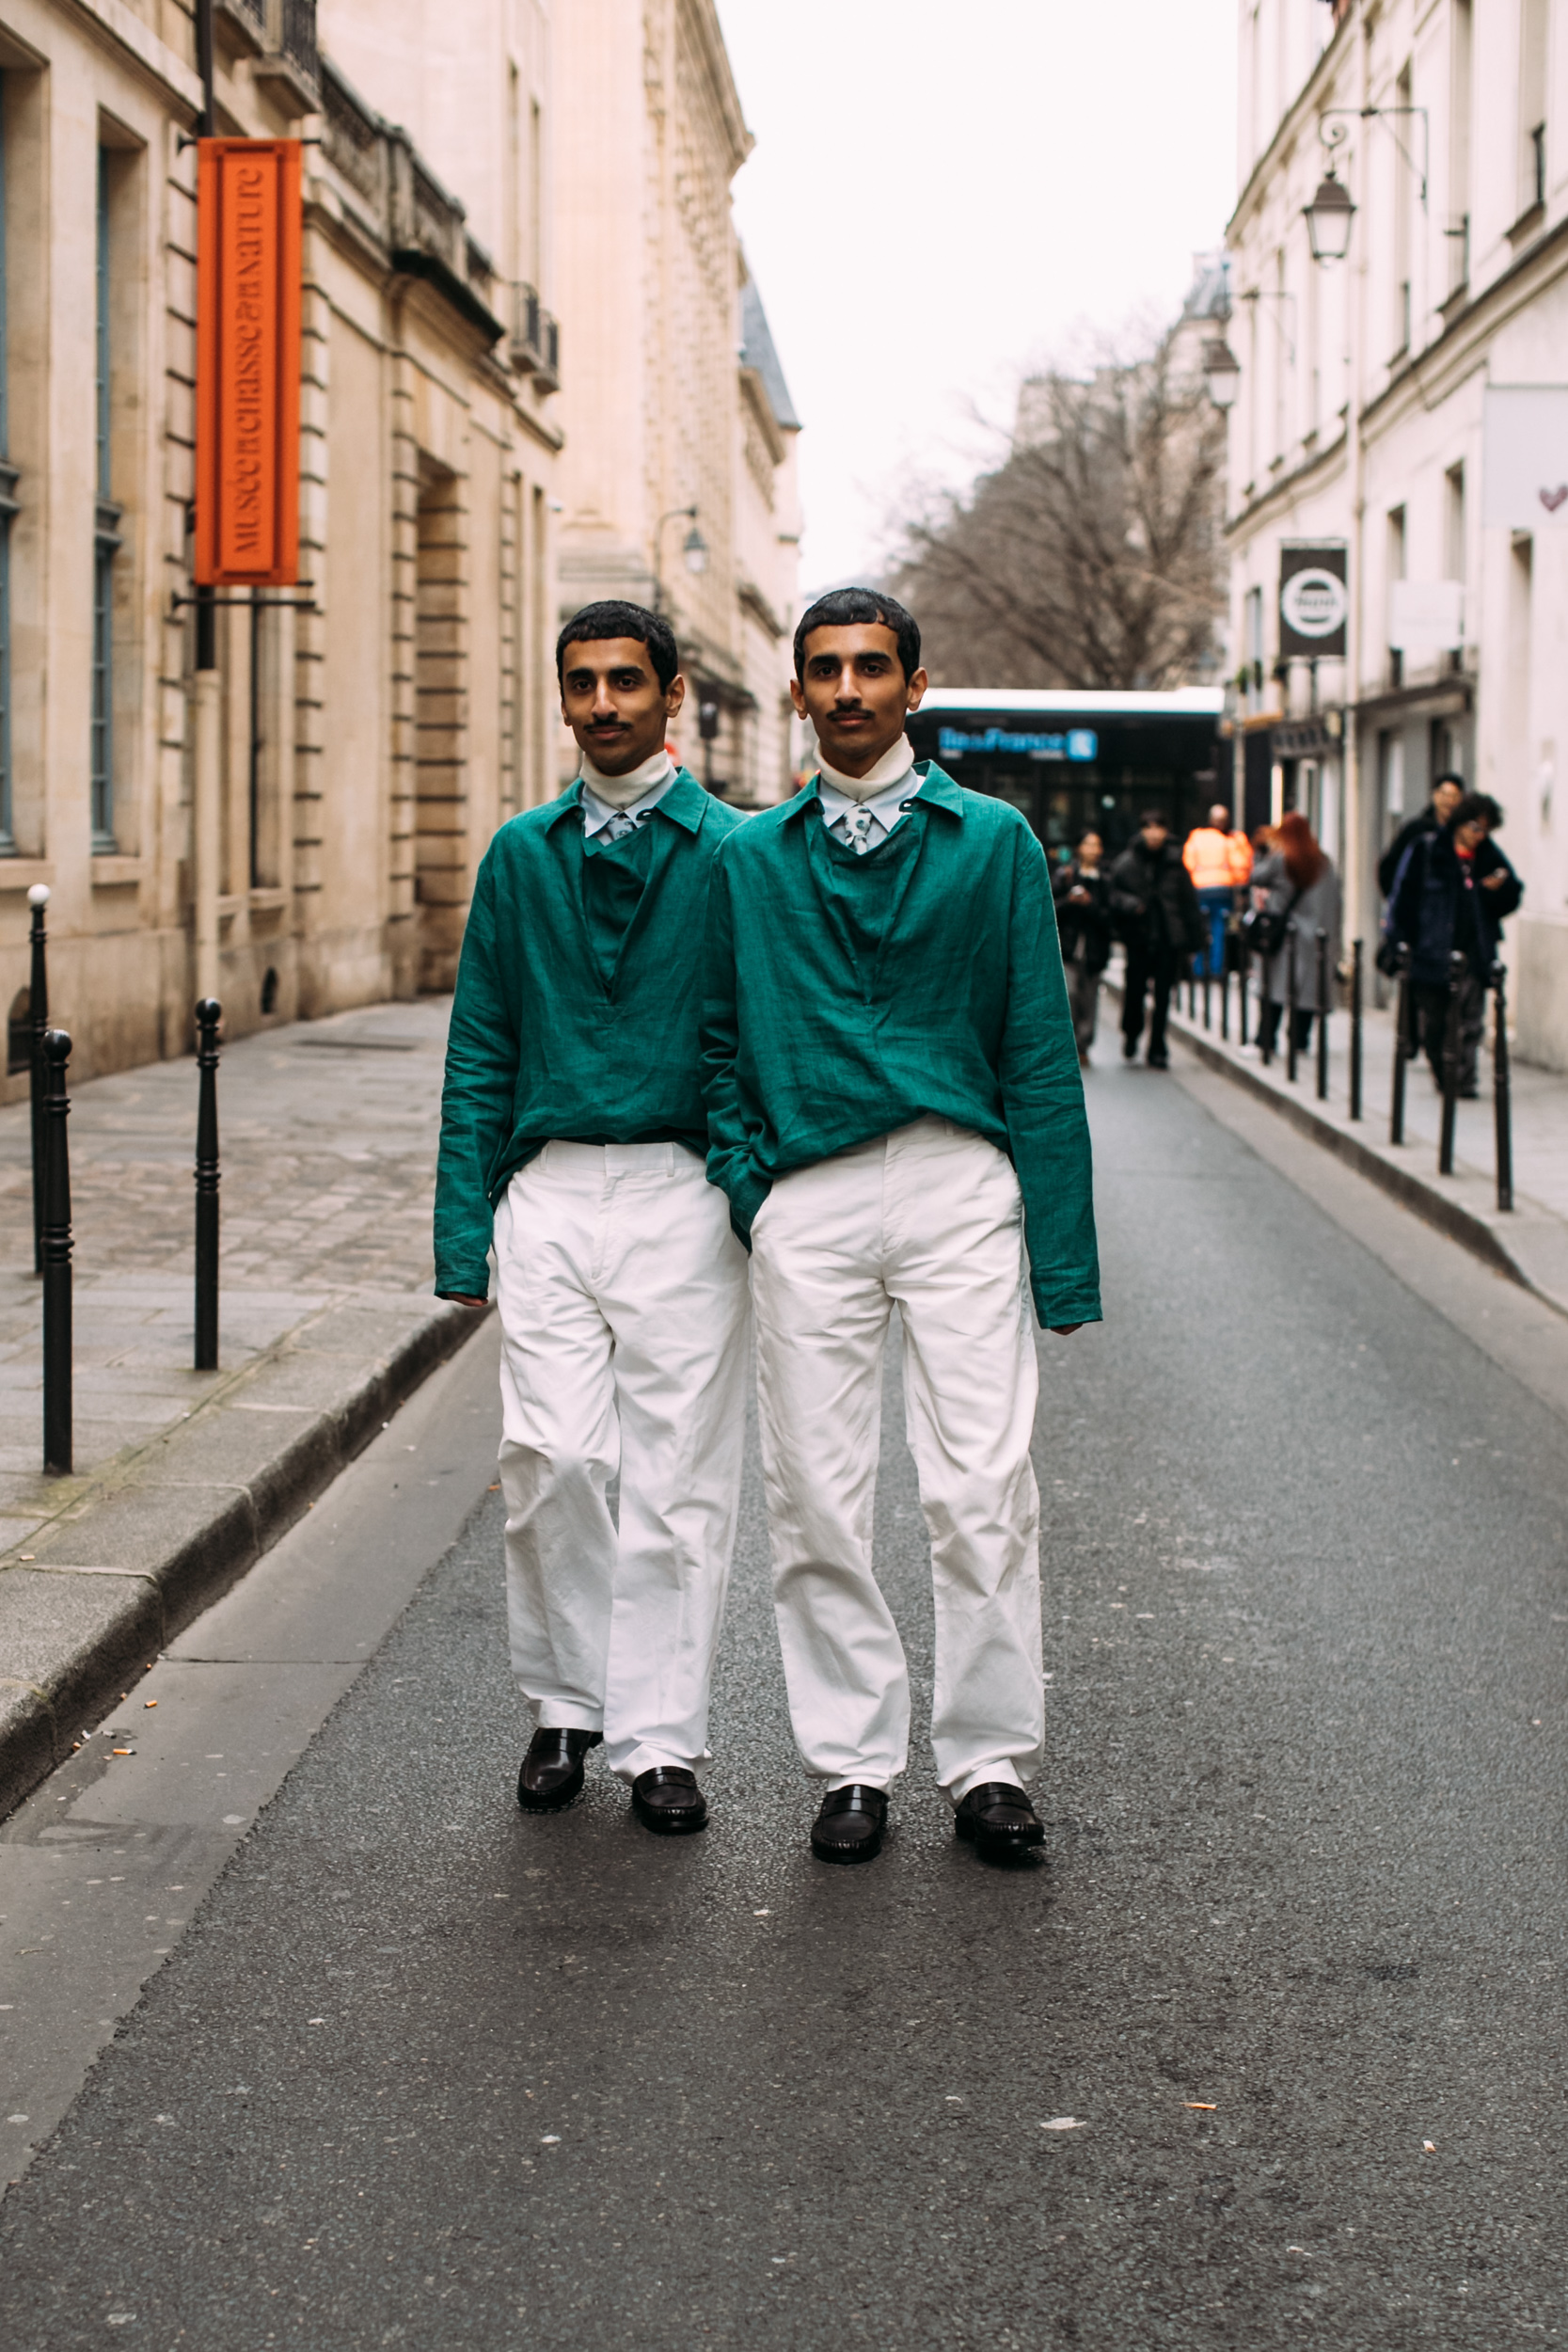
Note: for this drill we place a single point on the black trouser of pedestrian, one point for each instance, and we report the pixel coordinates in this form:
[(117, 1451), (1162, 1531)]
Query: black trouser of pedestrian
[(1268, 1026), (1432, 1018), (1159, 967), (1083, 989)]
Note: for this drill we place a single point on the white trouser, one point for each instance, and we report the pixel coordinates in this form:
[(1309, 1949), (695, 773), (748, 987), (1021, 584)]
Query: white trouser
[(623, 1322), (929, 1219)]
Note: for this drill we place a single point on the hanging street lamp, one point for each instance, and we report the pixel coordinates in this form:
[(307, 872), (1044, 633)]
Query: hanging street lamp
[(1222, 372), (1328, 219)]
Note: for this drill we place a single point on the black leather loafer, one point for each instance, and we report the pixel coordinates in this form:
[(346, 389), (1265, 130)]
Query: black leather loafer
[(999, 1822), (851, 1824), (553, 1769), (667, 1800)]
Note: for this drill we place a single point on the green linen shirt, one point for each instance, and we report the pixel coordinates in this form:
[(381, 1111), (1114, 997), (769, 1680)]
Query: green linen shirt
[(819, 1032), (545, 1042)]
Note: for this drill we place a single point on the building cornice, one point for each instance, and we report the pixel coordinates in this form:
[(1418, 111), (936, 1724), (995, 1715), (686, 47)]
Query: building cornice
[(1309, 475), (1290, 123), (125, 32), (703, 17)]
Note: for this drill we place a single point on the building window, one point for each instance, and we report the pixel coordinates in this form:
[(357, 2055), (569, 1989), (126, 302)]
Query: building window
[(105, 546), (7, 508), (1460, 99), (1254, 640), (1532, 104)]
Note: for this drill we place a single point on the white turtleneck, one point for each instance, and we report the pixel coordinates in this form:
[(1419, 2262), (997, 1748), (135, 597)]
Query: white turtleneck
[(862, 810), (637, 794)]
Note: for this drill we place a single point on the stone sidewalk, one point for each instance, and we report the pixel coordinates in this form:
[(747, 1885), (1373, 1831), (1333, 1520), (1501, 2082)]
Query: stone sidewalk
[(328, 1137), (1531, 1242)]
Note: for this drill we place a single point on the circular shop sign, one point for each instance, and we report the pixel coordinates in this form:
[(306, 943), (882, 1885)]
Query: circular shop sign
[(1314, 603)]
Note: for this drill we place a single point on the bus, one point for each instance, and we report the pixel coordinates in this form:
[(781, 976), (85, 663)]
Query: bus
[(1072, 759)]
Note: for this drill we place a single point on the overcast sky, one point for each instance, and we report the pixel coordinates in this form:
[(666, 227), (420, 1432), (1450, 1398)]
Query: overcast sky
[(942, 193)]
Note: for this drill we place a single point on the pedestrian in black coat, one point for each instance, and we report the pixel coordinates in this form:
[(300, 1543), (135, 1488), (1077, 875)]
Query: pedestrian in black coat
[(1447, 793), (1454, 891), (1155, 909), (1083, 892)]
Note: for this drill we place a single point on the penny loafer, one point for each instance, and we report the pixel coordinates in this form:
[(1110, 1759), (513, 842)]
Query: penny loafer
[(852, 1825), (999, 1822), (553, 1769), (667, 1800)]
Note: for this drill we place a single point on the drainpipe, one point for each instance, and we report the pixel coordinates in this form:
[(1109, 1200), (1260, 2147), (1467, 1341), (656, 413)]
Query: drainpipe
[(207, 686), (1353, 846)]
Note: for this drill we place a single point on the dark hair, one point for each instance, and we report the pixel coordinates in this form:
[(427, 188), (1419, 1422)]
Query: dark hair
[(1091, 832), (1477, 808), (1449, 775), (841, 607), (1303, 860), (612, 617), (1154, 816)]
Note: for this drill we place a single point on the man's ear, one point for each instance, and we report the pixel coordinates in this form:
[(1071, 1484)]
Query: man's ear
[(674, 695), (917, 690), (798, 697)]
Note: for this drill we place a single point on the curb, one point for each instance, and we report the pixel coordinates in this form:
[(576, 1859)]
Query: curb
[(136, 1553), (1493, 1237)]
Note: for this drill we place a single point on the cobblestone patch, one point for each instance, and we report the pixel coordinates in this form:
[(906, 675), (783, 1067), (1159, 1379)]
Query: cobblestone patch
[(328, 1134)]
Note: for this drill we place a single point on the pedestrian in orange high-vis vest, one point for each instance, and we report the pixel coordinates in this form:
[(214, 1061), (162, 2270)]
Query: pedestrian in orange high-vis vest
[(1220, 862)]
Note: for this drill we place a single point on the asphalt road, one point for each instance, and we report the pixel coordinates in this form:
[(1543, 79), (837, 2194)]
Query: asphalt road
[(1268, 2052)]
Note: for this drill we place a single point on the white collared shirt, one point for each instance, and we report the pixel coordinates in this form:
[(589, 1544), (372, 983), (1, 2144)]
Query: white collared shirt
[(864, 819), (656, 774)]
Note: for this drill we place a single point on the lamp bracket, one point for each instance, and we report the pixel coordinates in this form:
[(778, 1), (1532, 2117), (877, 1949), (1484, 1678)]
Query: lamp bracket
[(1332, 132), (1281, 293)]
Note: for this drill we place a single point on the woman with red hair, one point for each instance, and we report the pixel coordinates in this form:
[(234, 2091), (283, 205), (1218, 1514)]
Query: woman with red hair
[(1297, 881)]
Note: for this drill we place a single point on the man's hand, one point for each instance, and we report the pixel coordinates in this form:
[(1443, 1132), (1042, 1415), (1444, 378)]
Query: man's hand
[(1063, 1330), (1494, 882), (461, 1298)]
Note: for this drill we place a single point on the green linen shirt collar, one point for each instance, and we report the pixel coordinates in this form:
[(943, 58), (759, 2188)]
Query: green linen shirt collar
[(686, 802), (937, 790)]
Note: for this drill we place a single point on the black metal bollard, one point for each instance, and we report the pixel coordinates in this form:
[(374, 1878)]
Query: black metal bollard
[(209, 1012), (1355, 966), (1450, 1065), (57, 1256), (1502, 1109), (1225, 995), (37, 1016), (1290, 1001), (1403, 1016), (1206, 992), (1243, 963), (1323, 1016)]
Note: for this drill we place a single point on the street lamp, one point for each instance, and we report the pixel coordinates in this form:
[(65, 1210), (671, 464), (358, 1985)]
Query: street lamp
[(1328, 219), (1222, 373), (693, 547)]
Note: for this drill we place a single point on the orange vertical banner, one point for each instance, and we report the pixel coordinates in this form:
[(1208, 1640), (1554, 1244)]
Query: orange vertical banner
[(247, 362)]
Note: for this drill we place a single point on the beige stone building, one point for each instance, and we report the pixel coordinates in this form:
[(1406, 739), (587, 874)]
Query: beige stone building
[(377, 724), (679, 428)]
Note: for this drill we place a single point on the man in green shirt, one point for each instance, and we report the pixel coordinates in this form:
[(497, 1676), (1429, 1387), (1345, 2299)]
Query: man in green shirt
[(572, 1134), (897, 1116)]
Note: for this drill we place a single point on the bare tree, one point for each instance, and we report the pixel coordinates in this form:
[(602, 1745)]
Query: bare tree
[(1091, 557)]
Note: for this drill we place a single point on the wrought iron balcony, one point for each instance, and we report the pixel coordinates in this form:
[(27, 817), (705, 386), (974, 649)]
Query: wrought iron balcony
[(535, 340), (296, 39)]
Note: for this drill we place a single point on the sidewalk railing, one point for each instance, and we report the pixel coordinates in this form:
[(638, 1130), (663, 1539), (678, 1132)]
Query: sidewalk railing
[(53, 1240), (1413, 1022)]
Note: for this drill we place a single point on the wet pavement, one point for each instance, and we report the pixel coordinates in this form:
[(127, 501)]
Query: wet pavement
[(1269, 2051)]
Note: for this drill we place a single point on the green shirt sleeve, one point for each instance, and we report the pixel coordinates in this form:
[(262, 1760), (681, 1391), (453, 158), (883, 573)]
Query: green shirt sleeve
[(1042, 1101), (476, 1101), (730, 1163)]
